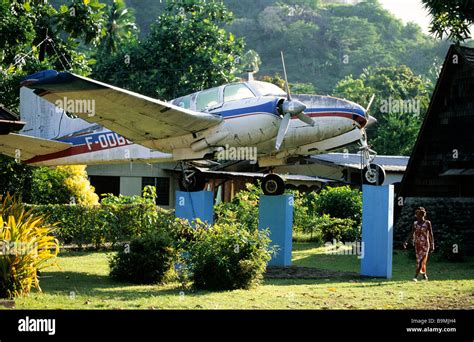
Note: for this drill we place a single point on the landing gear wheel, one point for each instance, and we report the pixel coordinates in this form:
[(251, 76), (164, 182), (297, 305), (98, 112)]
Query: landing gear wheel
[(191, 181), (273, 185), (373, 174)]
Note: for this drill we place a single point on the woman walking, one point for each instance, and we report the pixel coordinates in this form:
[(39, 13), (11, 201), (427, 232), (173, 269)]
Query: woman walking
[(422, 235)]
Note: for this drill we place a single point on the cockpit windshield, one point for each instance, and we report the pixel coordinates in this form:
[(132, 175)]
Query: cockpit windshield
[(265, 88)]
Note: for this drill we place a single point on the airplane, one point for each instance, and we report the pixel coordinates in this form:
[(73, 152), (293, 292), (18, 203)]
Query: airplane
[(123, 125)]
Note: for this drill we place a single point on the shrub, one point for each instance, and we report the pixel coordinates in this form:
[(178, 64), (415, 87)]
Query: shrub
[(26, 245), (63, 184), (227, 257), (146, 260), (341, 202), (338, 229), (100, 224), (449, 247), (243, 208)]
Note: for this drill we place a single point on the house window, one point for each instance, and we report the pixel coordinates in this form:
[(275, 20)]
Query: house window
[(105, 184), (162, 185)]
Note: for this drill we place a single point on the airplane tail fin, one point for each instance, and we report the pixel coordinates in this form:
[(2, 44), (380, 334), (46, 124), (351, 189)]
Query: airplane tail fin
[(45, 120)]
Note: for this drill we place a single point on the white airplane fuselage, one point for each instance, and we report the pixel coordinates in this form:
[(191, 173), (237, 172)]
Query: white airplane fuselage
[(248, 122)]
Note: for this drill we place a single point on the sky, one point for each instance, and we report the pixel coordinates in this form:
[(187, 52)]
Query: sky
[(408, 10)]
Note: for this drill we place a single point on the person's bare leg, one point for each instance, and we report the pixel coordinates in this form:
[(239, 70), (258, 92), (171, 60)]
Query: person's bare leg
[(418, 268), (424, 261)]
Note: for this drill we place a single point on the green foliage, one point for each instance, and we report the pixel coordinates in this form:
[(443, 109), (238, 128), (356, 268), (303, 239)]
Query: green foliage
[(98, 225), (340, 202), (229, 256), (243, 208), (186, 50), (449, 246), (146, 260), (148, 197), (339, 229), (120, 27), (60, 185), (401, 101), (451, 18), (48, 186), (26, 246), (15, 178), (26, 25), (326, 42)]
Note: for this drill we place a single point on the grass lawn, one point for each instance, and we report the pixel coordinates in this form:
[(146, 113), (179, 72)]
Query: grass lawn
[(83, 283)]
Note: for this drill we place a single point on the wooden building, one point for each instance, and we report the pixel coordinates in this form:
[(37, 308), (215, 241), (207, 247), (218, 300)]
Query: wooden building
[(440, 172)]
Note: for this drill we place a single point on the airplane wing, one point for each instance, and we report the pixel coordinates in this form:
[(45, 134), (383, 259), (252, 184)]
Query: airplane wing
[(25, 147), (139, 118)]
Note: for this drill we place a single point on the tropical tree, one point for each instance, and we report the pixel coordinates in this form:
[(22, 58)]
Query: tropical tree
[(186, 50), (119, 27), (37, 36), (451, 18), (401, 101)]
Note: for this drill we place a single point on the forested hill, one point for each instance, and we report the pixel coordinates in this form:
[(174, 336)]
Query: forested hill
[(322, 42)]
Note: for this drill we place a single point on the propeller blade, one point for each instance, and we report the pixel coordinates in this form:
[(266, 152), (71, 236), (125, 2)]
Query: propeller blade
[(370, 104), (285, 122), (306, 119), (287, 86)]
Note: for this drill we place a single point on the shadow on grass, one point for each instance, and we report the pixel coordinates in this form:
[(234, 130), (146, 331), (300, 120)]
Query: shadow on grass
[(104, 287), (403, 266), (304, 246)]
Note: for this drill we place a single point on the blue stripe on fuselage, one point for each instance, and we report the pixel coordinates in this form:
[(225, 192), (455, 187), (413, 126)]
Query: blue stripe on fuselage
[(271, 108), (81, 139), (356, 111), (268, 107)]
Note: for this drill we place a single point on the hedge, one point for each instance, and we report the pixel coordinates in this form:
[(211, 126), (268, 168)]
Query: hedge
[(101, 224)]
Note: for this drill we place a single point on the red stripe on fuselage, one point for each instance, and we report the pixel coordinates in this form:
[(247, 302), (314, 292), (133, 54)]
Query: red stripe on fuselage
[(71, 151)]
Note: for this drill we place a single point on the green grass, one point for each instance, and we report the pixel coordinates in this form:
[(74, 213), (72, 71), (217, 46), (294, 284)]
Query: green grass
[(83, 283)]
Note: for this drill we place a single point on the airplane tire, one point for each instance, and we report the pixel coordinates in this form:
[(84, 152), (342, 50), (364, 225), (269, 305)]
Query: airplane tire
[(273, 185), (194, 183), (376, 177)]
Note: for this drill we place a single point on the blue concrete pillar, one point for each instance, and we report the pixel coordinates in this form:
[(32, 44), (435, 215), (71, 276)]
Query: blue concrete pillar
[(193, 205), (276, 213), (377, 231)]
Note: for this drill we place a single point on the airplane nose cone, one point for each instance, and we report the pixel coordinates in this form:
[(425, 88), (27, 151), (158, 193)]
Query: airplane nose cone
[(293, 107), (372, 120)]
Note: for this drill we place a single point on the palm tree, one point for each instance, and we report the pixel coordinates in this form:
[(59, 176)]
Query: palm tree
[(120, 26)]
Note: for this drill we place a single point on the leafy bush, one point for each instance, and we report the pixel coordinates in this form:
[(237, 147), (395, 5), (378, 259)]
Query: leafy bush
[(26, 245), (449, 246), (338, 229), (243, 208), (100, 224), (148, 197), (63, 184), (227, 257), (146, 260), (341, 202)]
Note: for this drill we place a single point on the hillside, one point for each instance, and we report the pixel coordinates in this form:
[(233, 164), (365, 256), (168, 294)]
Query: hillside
[(323, 41)]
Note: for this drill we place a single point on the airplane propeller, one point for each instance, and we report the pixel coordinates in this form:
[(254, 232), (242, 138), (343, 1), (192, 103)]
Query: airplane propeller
[(369, 105), (290, 108), (370, 119)]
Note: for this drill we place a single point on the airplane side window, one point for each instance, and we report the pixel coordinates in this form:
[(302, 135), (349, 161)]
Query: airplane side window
[(237, 92), (207, 98)]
